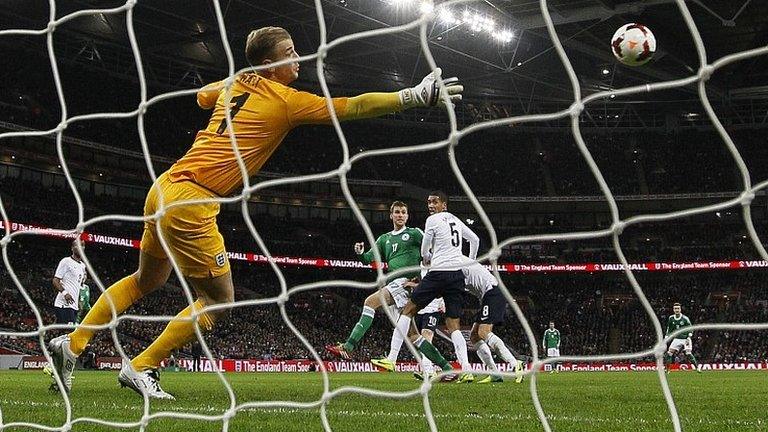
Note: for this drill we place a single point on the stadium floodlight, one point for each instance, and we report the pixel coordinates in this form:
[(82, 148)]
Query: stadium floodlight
[(399, 3), (488, 24), (481, 23), (446, 17), (503, 36), (426, 7), (475, 22)]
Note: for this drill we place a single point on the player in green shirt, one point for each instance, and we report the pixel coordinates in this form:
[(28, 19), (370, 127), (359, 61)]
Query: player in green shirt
[(83, 302), (682, 340), (551, 342), (399, 248)]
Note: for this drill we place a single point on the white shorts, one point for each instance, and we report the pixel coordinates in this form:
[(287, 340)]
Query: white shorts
[(553, 352), (685, 344), (398, 292)]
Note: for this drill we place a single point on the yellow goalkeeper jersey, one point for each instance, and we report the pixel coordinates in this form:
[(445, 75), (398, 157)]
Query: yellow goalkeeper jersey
[(263, 112)]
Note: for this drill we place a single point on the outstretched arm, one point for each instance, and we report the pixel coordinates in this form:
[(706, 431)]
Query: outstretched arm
[(306, 108), (425, 94), (369, 105)]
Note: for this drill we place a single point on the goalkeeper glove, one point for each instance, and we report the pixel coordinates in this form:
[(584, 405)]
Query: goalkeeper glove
[(427, 93)]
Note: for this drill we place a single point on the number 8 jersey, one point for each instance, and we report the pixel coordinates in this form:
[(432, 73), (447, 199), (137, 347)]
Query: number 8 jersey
[(442, 244)]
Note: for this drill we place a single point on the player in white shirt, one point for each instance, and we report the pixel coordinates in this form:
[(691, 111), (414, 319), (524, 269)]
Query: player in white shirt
[(69, 277), (493, 307), (67, 280), (441, 249)]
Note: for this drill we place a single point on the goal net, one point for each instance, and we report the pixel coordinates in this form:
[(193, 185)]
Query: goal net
[(451, 141)]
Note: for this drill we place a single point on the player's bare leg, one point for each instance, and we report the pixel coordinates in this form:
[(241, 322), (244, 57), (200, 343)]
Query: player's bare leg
[(141, 374), (484, 352), (374, 301), (484, 332), (152, 273)]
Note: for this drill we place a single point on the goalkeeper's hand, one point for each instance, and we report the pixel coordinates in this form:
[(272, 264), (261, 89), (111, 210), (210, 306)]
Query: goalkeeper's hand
[(427, 93)]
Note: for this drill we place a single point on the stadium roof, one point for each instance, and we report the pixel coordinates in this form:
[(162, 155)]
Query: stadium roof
[(181, 44)]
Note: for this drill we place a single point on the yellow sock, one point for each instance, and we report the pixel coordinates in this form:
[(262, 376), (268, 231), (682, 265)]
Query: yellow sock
[(123, 293), (176, 334)]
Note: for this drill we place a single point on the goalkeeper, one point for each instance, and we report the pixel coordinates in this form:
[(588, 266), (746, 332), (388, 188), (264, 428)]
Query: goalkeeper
[(263, 109)]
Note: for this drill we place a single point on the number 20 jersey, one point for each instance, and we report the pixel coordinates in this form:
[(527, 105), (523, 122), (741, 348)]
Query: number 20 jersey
[(262, 113)]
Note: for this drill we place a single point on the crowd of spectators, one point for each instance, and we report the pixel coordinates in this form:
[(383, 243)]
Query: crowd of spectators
[(595, 313), (702, 238)]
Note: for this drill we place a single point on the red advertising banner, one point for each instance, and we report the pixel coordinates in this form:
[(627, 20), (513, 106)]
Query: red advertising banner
[(355, 264), (306, 365), (651, 366)]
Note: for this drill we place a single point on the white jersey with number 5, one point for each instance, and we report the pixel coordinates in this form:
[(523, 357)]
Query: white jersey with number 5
[(443, 237)]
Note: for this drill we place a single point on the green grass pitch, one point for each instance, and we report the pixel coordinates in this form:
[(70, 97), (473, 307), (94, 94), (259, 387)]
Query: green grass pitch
[(597, 401)]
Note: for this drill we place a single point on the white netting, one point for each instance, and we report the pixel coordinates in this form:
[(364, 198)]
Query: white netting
[(703, 74)]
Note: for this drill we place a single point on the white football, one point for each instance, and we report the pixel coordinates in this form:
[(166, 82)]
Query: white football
[(633, 44)]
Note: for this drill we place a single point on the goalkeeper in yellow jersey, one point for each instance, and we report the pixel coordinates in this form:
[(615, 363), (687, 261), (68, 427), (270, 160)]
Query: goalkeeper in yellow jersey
[(263, 109)]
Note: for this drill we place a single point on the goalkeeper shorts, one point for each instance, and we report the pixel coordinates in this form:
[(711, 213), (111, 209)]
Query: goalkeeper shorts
[(189, 230)]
